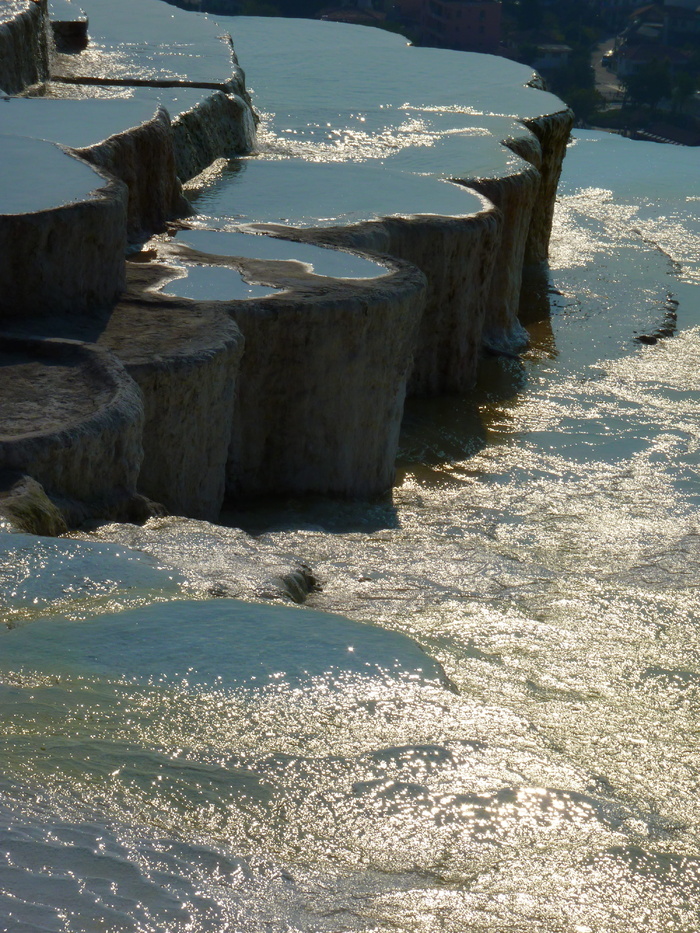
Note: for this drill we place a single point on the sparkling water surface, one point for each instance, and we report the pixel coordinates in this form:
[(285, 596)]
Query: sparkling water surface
[(298, 193), (542, 547)]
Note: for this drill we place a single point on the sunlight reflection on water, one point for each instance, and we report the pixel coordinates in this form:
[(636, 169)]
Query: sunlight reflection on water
[(543, 546)]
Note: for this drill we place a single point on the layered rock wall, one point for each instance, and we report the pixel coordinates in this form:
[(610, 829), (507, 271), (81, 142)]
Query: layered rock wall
[(24, 57), (87, 443), (322, 387), (186, 360), (143, 158), (515, 196), (552, 131), (67, 259), (457, 256), (221, 125)]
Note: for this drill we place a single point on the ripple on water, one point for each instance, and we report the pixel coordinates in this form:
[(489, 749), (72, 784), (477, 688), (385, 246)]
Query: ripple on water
[(42, 576), (223, 642), (548, 564)]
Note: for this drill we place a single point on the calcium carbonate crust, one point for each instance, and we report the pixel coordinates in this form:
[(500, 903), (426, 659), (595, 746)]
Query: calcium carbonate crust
[(302, 391)]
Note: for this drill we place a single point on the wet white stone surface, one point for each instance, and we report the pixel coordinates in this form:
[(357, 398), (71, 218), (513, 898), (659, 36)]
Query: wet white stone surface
[(331, 263), (298, 193), (62, 245), (74, 123), (38, 176), (23, 46), (169, 45)]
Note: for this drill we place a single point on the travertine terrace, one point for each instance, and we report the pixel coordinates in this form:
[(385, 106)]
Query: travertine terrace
[(188, 371)]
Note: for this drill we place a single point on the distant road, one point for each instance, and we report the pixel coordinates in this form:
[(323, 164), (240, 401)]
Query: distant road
[(605, 81)]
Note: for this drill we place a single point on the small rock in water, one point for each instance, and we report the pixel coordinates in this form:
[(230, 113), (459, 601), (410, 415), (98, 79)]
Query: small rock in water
[(216, 560)]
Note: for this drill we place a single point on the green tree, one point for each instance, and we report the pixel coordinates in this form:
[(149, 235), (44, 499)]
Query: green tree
[(685, 85), (649, 84), (529, 13), (584, 102)]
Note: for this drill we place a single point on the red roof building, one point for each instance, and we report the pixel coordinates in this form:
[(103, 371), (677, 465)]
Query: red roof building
[(468, 25)]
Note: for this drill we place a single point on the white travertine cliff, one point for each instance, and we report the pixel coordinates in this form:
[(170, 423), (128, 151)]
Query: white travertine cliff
[(186, 361), (439, 167), (23, 50), (71, 418), (62, 245)]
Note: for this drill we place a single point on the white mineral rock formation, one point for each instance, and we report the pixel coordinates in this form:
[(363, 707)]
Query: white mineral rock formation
[(323, 377), (71, 417), (466, 118), (457, 256), (173, 49), (23, 49), (62, 245), (552, 131), (185, 359), (515, 197), (322, 388), (133, 140), (450, 233), (439, 167), (218, 126), (143, 158)]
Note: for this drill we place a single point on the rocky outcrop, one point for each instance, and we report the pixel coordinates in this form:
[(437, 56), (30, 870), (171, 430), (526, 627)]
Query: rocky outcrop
[(552, 131), (71, 418), (322, 388), (66, 262), (184, 360), (515, 197), (24, 506), (135, 141), (323, 378), (456, 255), (356, 110), (149, 155)]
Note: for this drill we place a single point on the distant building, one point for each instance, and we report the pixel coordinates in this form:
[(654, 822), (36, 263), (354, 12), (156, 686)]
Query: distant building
[(552, 56), (614, 12), (360, 13), (468, 25), (632, 58), (681, 22), (658, 32)]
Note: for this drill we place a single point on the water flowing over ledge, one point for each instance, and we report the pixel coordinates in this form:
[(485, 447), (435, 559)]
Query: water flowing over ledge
[(453, 215), (23, 47)]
